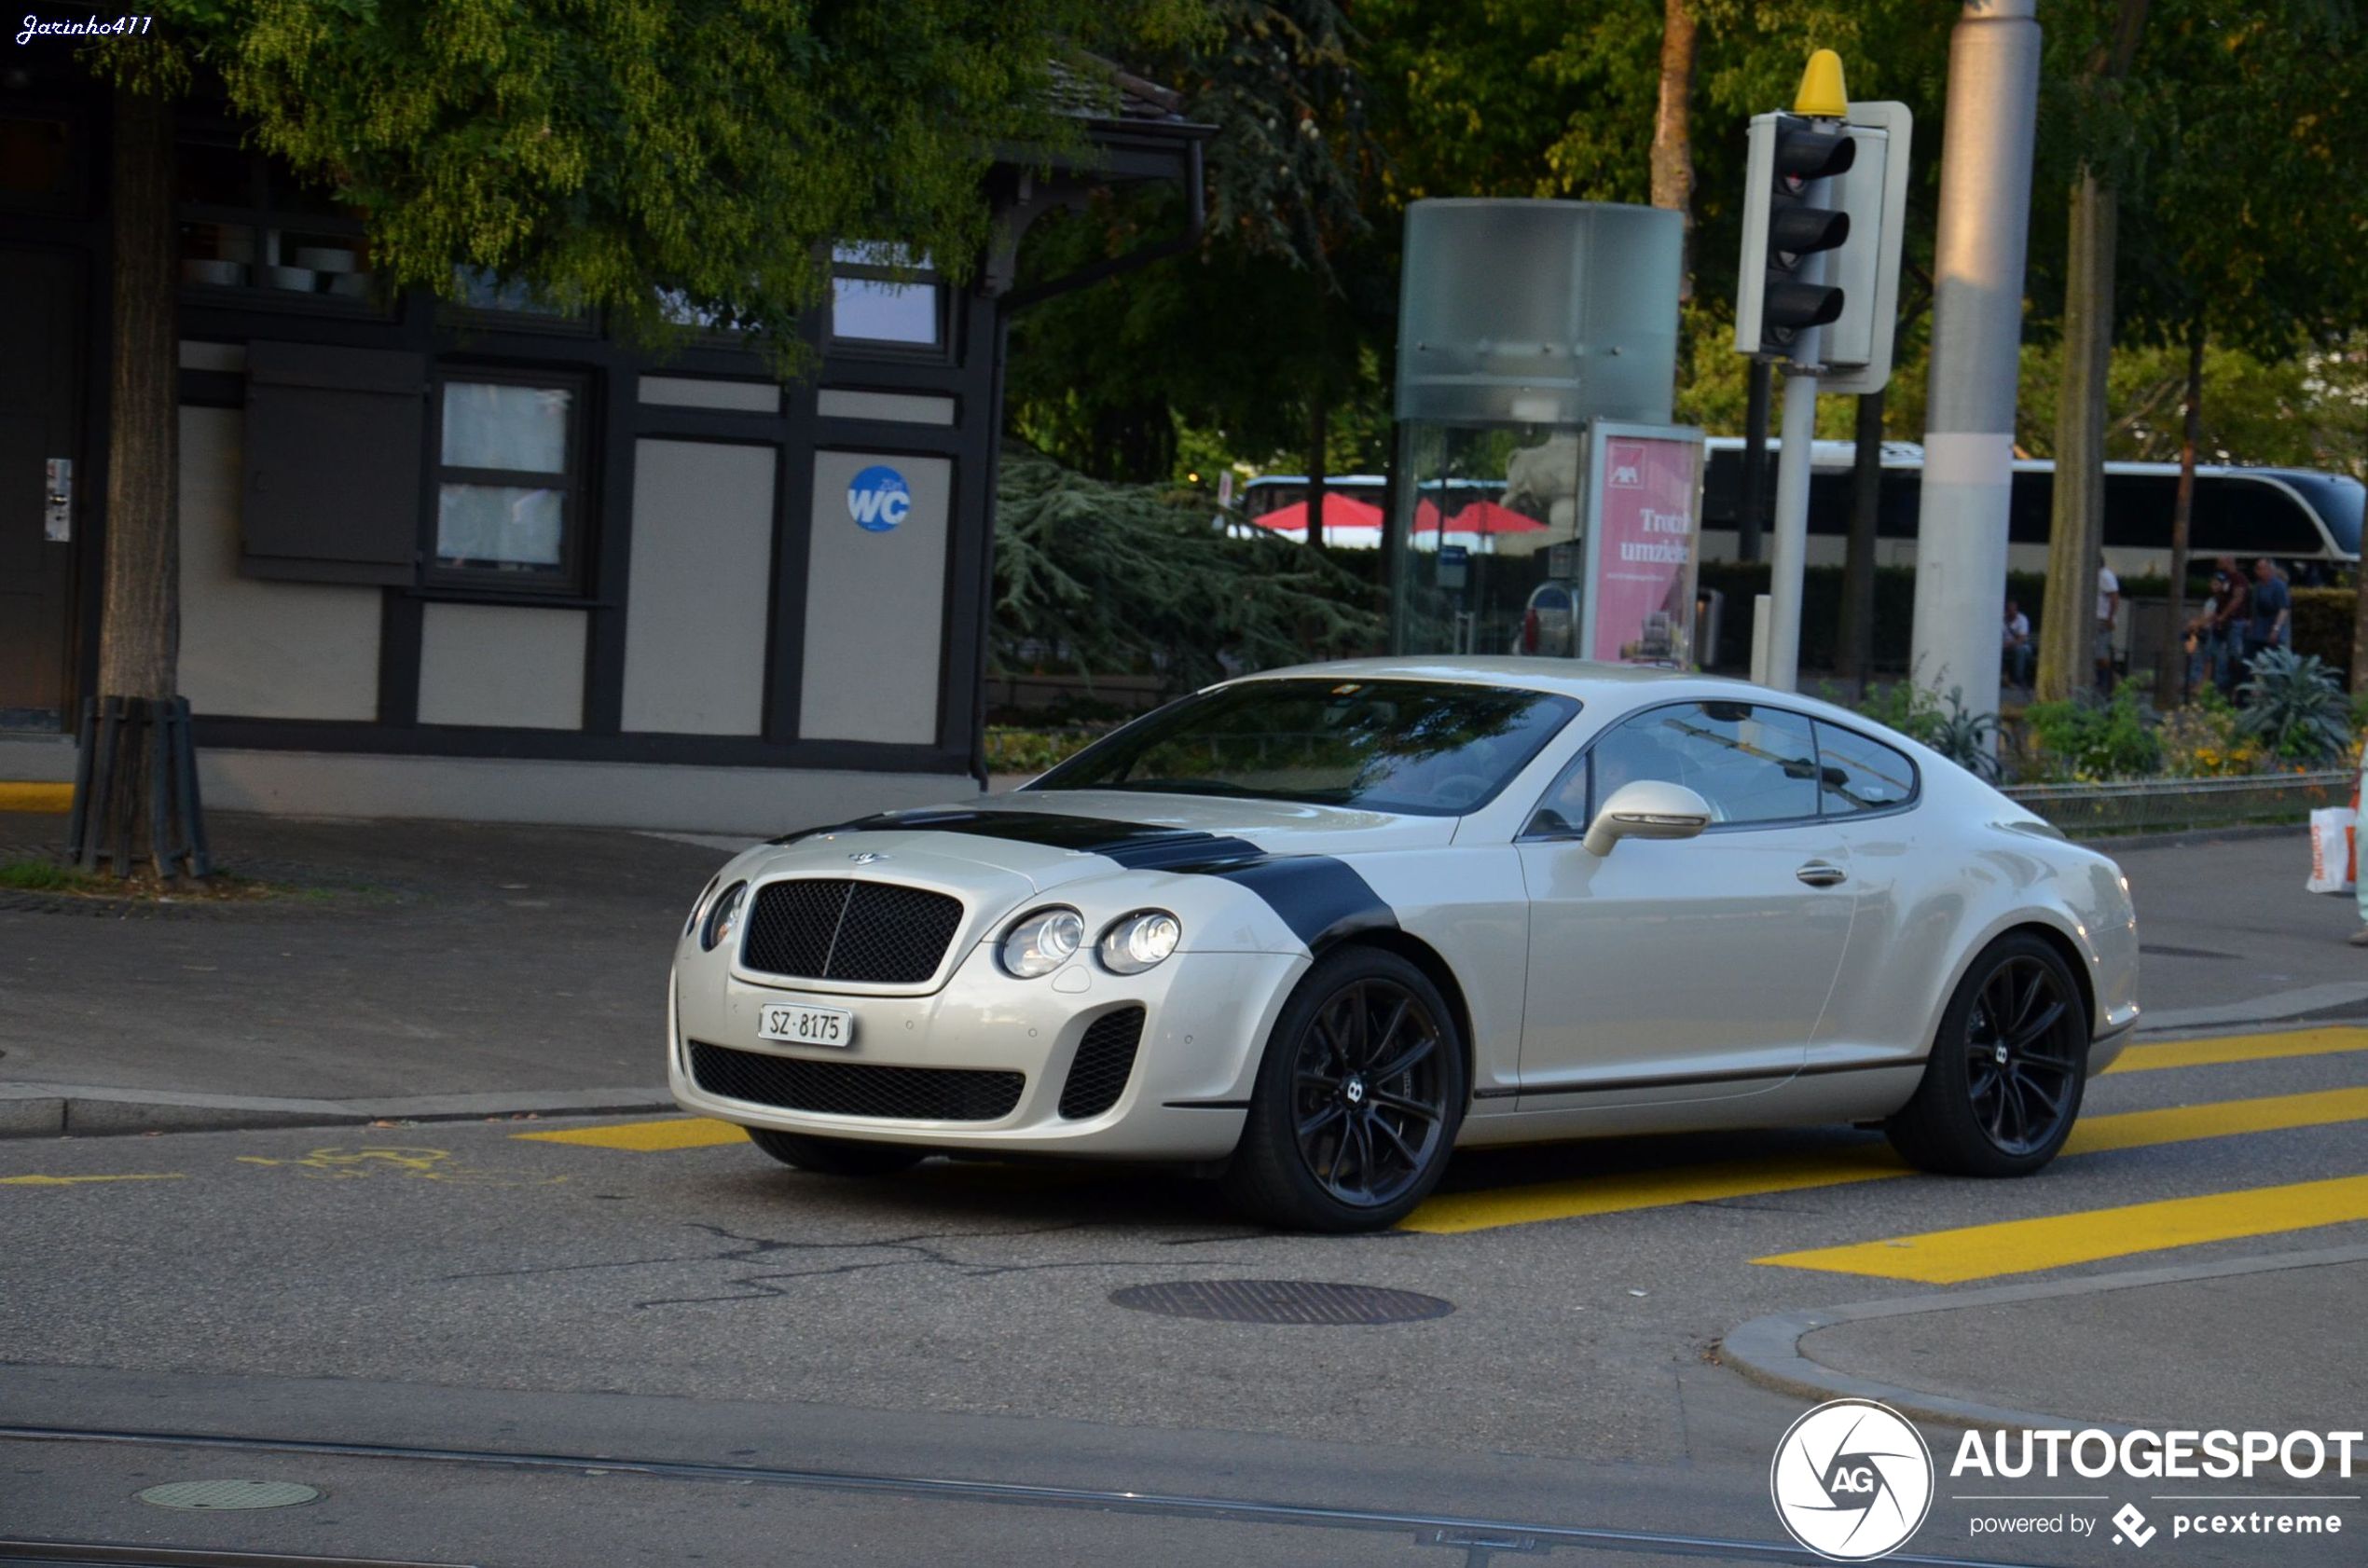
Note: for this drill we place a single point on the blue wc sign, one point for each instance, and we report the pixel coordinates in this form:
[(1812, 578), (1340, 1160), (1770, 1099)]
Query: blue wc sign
[(879, 498)]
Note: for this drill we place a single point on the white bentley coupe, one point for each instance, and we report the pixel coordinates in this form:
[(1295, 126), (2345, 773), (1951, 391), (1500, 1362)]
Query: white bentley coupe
[(1314, 929)]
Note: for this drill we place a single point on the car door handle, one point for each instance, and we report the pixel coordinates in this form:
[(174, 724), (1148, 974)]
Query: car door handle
[(1819, 873)]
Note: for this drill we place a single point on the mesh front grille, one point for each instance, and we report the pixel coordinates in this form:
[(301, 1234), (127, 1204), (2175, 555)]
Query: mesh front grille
[(856, 1088), (1105, 1059), (833, 928)]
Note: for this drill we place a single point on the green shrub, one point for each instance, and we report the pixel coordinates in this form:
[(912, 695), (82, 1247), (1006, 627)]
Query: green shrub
[(1010, 748), (2295, 707), (2322, 620), (2086, 740)]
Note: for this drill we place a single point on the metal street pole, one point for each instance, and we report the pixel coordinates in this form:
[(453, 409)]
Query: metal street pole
[(1978, 305)]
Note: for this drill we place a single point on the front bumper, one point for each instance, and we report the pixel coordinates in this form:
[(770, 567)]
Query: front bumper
[(1206, 1015)]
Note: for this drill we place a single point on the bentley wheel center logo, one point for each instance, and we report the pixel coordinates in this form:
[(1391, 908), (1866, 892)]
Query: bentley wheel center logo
[(1851, 1481)]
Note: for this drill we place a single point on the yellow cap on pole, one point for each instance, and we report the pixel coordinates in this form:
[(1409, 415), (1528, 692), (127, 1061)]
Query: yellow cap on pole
[(1821, 95)]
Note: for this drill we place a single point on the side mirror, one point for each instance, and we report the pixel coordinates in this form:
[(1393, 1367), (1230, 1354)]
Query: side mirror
[(1649, 808)]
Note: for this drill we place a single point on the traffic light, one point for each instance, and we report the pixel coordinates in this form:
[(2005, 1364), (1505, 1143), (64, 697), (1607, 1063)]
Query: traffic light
[(1782, 288)]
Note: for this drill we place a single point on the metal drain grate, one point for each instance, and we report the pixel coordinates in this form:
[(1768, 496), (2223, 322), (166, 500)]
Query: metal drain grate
[(1280, 1300), (214, 1495)]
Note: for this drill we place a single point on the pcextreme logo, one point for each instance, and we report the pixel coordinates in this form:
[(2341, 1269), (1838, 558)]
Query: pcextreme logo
[(1851, 1481)]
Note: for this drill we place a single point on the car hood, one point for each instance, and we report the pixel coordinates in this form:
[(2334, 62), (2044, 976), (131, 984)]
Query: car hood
[(1052, 838)]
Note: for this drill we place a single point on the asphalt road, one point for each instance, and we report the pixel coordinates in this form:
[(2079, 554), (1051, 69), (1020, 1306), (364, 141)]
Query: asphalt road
[(663, 1292)]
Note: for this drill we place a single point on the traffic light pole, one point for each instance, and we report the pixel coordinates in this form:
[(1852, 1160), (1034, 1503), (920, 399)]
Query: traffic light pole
[(1977, 298), (1787, 560)]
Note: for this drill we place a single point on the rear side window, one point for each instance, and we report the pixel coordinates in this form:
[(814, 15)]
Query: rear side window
[(1855, 774)]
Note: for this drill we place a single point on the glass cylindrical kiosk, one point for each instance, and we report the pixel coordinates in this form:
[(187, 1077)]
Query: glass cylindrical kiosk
[(1538, 345)]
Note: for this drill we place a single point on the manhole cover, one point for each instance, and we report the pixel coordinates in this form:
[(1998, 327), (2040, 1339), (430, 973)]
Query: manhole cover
[(1280, 1300), (227, 1494)]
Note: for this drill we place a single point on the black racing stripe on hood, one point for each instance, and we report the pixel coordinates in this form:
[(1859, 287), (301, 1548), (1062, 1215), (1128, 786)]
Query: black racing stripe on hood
[(1321, 899)]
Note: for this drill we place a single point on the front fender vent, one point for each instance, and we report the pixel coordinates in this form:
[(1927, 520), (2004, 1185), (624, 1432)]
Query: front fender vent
[(1105, 1060)]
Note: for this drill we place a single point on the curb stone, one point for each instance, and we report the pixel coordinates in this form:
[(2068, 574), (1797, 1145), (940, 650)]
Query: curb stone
[(58, 1109), (1767, 1350)]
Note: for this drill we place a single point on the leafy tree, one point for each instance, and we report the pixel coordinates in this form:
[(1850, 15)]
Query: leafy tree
[(604, 155), (1096, 577)]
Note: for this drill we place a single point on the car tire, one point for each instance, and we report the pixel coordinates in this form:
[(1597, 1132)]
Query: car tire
[(1366, 1054), (2008, 1066), (842, 1157)]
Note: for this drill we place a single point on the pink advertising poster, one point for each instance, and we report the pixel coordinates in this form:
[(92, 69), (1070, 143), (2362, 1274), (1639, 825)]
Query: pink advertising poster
[(1640, 547)]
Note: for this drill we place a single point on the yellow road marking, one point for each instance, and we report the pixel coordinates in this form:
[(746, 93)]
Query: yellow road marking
[(1739, 1178), (2223, 1049), (36, 797), (76, 1182), (2022, 1246), (674, 1132)]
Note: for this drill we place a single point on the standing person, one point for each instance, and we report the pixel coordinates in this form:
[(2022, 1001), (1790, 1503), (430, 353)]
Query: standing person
[(2230, 624), (2014, 645), (2272, 610), (2108, 610)]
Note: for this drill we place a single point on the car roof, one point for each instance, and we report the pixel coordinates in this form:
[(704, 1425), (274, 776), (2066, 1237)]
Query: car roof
[(1577, 678)]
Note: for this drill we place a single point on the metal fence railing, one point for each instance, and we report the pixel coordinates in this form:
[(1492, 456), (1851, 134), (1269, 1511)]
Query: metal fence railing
[(2164, 804)]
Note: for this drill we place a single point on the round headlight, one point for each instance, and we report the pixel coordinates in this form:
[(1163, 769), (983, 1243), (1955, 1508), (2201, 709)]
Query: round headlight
[(698, 905), (724, 918), (1136, 942), (1039, 942)]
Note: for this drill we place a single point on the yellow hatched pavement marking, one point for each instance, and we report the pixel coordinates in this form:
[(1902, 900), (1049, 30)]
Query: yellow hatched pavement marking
[(1741, 1179), (36, 797), (674, 1132), (80, 1180), (2219, 1050), (2022, 1246)]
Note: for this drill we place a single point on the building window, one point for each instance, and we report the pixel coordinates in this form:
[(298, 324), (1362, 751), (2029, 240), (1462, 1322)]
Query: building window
[(881, 297), (246, 222), (508, 490)]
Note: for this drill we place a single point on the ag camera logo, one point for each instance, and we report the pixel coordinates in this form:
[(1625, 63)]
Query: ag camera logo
[(1851, 1481), (879, 498)]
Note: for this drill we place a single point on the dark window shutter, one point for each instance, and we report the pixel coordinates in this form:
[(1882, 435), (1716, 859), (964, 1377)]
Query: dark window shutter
[(333, 461)]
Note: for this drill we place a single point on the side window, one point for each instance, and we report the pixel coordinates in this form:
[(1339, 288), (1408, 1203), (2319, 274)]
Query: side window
[(1752, 763), (1856, 774), (507, 483)]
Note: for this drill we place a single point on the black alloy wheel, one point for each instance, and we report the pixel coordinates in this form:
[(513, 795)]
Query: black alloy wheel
[(2003, 1085), (2023, 1053), (1358, 1101)]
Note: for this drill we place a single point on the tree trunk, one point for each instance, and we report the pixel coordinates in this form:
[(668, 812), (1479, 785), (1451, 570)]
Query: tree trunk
[(140, 630), (137, 790), (2171, 678), (2075, 527), (2075, 524), (1856, 643), (1673, 159)]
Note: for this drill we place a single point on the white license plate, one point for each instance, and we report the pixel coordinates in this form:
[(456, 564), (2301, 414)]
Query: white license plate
[(805, 1025)]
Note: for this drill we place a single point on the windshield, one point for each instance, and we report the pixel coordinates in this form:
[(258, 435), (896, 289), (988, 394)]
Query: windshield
[(1429, 748)]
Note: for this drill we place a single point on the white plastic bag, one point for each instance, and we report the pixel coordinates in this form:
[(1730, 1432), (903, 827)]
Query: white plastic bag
[(2331, 851)]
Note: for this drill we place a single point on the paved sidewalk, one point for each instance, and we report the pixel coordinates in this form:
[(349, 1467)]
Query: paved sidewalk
[(2088, 1351), (410, 970), (419, 970)]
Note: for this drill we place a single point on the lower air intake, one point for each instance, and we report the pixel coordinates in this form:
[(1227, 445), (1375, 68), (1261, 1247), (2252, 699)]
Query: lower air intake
[(1105, 1060), (856, 1088)]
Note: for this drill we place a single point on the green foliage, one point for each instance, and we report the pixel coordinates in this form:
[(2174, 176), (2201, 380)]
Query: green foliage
[(2085, 740), (614, 154), (2200, 740), (2294, 708), (1014, 748), (1096, 578), (1967, 738), (2322, 624)]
